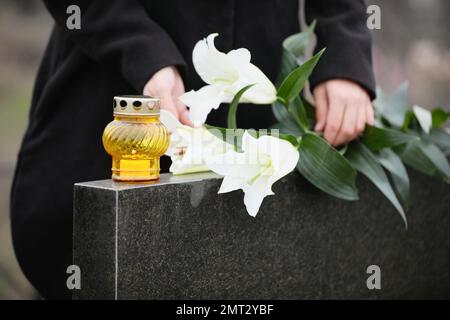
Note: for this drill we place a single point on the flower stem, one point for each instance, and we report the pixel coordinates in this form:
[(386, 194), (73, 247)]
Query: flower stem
[(231, 121)]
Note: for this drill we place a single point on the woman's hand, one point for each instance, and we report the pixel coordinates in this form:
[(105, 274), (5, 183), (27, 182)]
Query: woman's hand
[(167, 85), (343, 108)]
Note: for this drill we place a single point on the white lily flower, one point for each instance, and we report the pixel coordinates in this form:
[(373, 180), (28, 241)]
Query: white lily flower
[(226, 75), (264, 161), (169, 121), (190, 147)]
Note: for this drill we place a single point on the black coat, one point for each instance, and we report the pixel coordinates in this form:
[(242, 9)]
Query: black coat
[(118, 48)]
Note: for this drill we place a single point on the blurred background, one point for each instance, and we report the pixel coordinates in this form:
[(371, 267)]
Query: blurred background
[(413, 44)]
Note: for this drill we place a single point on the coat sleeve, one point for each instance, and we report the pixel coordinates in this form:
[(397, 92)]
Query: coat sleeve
[(120, 35), (341, 28)]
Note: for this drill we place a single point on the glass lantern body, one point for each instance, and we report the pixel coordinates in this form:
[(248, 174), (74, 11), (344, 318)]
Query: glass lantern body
[(136, 144)]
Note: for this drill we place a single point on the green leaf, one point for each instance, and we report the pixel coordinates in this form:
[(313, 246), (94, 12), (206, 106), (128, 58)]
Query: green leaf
[(293, 53), (409, 118), (427, 158), (441, 138), (233, 107), (286, 121), (439, 117), (295, 121), (290, 138), (231, 136), (234, 136), (393, 108), (392, 163), (284, 130), (365, 162), (326, 168), (293, 84), (288, 63), (310, 110), (379, 138), (297, 109), (298, 43), (219, 132)]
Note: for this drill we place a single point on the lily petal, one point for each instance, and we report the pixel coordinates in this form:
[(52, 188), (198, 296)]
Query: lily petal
[(232, 164), (169, 120), (196, 146), (263, 91), (240, 57), (248, 142), (201, 102), (211, 64), (275, 159), (230, 184), (284, 155), (175, 143), (177, 168), (254, 196)]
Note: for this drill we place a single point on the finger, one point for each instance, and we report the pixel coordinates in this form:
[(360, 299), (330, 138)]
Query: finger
[(183, 112), (178, 88), (184, 117), (361, 120), (167, 103), (334, 119), (321, 100), (370, 118), (347, 131)]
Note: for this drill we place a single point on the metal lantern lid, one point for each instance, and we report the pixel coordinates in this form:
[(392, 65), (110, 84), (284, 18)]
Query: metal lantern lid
[(135, 105)]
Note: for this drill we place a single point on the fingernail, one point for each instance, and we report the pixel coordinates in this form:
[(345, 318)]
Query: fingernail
[(318, 127)]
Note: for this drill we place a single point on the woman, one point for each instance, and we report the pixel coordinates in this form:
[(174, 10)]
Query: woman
[(133, 47)]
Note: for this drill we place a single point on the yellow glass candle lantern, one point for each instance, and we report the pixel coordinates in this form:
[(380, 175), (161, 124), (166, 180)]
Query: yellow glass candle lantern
[(135, 139)]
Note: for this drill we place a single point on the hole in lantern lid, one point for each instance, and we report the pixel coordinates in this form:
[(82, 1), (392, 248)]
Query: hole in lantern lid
[(137, 105), (123, 103)]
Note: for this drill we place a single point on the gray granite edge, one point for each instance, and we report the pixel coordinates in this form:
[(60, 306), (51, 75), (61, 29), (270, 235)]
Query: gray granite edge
[(166, 179)]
